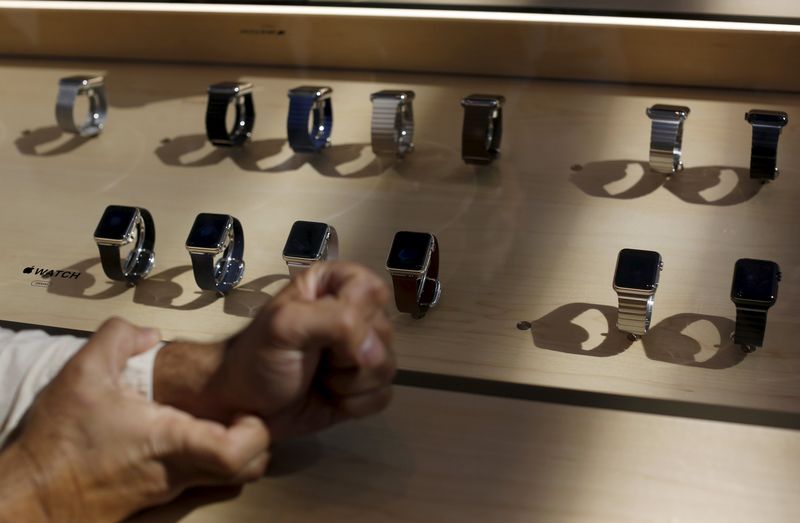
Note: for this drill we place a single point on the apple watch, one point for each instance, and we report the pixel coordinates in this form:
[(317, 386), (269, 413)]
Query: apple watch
[(310, 102), (666, 137), (216, 246), (309, 242), (483, 128), (392, 123), (121, 226), (414, 265), (220, 96), (767, 127), (635, 282), (754, 290), (69, 88)]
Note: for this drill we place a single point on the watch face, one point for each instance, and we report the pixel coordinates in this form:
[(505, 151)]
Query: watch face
[(117, 222), (637, 269), (208, 231), (409, 251), (755, 280), (305, 240)]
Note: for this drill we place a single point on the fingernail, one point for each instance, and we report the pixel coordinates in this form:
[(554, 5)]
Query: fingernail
[(371, 349)]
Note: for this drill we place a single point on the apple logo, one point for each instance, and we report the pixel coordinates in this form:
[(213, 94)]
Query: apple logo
[(27, 270)]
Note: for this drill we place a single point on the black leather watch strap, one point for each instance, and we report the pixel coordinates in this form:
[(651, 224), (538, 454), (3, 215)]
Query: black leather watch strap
[(140, 261)]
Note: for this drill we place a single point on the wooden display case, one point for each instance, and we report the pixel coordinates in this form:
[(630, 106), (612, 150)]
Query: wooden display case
[(531, 238)]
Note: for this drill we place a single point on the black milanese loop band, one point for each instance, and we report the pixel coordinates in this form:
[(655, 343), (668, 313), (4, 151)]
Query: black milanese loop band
[(140, 261), (223, 275), (751, 324)]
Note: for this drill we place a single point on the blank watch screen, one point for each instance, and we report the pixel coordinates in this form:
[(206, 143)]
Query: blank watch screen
[(409, 250)]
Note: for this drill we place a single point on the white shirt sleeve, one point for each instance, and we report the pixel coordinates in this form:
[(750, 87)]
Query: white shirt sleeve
[(30, 359)]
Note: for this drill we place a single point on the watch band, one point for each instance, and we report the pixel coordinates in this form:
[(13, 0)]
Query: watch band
[(666, 137), (483, 128), (634, 313), (415, 295), (767, 127), (220, 96), (223, 275), (392, 126), (751, 324), (331, 253), (313, 102), (68, 90), (139, 262)]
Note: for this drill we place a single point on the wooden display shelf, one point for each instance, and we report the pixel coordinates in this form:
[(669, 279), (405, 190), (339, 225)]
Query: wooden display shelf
[(532, 238), (441, 456), (659, 50)]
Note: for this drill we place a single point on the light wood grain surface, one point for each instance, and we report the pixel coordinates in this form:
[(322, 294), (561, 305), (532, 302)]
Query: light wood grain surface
[(438, 456), (665, 51), (533, 237)]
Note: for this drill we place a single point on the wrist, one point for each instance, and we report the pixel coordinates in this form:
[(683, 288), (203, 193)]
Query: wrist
[(22, 499), (190, 377)]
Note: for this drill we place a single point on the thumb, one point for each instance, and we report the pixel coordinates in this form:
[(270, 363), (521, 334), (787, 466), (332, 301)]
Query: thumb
[(222, 454), (115, 342)]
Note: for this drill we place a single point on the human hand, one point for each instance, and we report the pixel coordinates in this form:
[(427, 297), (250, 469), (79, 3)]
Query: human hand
[(316, 354), (91, 449)]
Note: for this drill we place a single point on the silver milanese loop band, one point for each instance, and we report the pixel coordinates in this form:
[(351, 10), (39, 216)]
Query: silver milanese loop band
[(392, 123), (634, 313), (666, 137), (331, 253), (69, 89)]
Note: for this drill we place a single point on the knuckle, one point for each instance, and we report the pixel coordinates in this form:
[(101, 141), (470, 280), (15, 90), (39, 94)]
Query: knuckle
[(347, 322), (115, 323), (380, 290), (279, 318), (228, 462)]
